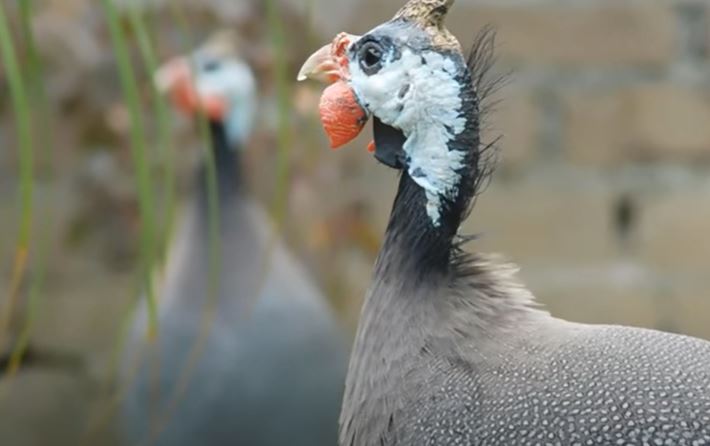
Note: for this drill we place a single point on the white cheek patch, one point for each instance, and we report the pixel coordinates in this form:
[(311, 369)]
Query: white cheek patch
[(419, 95)]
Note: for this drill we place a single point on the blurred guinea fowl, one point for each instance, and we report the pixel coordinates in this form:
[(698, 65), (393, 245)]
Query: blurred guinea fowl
[(272, 366), (450, 348)]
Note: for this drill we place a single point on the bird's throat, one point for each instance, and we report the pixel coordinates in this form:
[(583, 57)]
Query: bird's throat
[(413, 245), (222, 165)]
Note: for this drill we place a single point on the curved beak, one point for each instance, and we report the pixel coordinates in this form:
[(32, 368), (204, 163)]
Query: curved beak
[(330, 63), (320, 66), (342, 115)]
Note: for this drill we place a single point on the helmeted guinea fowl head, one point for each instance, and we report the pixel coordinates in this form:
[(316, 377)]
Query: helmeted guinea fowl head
[(411, 76), (215, 82)]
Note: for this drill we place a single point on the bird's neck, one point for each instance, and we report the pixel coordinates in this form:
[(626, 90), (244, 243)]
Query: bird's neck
[(225, 159), (399, 313), (415, 245)]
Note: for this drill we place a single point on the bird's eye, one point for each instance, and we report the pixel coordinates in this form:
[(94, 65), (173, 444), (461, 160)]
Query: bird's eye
[(370, 56), (210, 65)]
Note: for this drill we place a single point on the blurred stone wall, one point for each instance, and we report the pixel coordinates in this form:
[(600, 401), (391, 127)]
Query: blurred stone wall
[(602, 194), (604, 191)]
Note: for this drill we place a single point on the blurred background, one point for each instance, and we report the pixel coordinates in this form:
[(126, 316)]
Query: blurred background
[(602, 193)]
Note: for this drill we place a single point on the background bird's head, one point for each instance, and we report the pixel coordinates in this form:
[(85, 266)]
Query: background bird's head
[(411, 76), (215, 82)]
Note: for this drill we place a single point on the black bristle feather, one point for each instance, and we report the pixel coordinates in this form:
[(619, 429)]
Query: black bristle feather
[(480, 62)]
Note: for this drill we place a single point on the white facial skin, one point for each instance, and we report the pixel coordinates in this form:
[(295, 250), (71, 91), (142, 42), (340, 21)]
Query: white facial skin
[(419, 95), (234, 81)]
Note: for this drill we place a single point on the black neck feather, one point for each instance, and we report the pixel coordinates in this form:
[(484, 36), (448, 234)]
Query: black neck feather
[(227, 169), (412, 243)]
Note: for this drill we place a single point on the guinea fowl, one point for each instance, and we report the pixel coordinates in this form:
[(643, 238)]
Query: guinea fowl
[(272, 364), (450, 348)]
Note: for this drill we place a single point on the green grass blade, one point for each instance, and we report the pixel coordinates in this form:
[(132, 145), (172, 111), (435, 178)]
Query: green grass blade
[(20, 103), (283, 92), (165, 149), (34, 300), (163, 143), (36, 88), (40, 109), (211, 179), (164, 146), (138, 145), (152, 250)]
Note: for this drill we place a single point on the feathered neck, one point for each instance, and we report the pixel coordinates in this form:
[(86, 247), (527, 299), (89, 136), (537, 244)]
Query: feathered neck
[(227, 169), (412, 244), (416, 245)]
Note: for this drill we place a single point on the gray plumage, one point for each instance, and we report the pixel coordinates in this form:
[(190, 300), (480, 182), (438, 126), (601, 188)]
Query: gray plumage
[(469, 361), (450, 348), (272, 364), (267, 368)]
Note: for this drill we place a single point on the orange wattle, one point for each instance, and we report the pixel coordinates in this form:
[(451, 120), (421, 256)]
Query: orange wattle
[(341, 115)]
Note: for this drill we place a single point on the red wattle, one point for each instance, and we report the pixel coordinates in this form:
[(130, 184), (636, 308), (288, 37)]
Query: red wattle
[(341, 115)]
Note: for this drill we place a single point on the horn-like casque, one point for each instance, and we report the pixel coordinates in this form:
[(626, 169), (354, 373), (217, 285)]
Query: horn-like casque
[(430, 15)]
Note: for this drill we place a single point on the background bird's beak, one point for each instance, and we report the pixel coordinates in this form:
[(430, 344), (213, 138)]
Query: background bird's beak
[(175, 79), (341, 114), (171, 73)]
